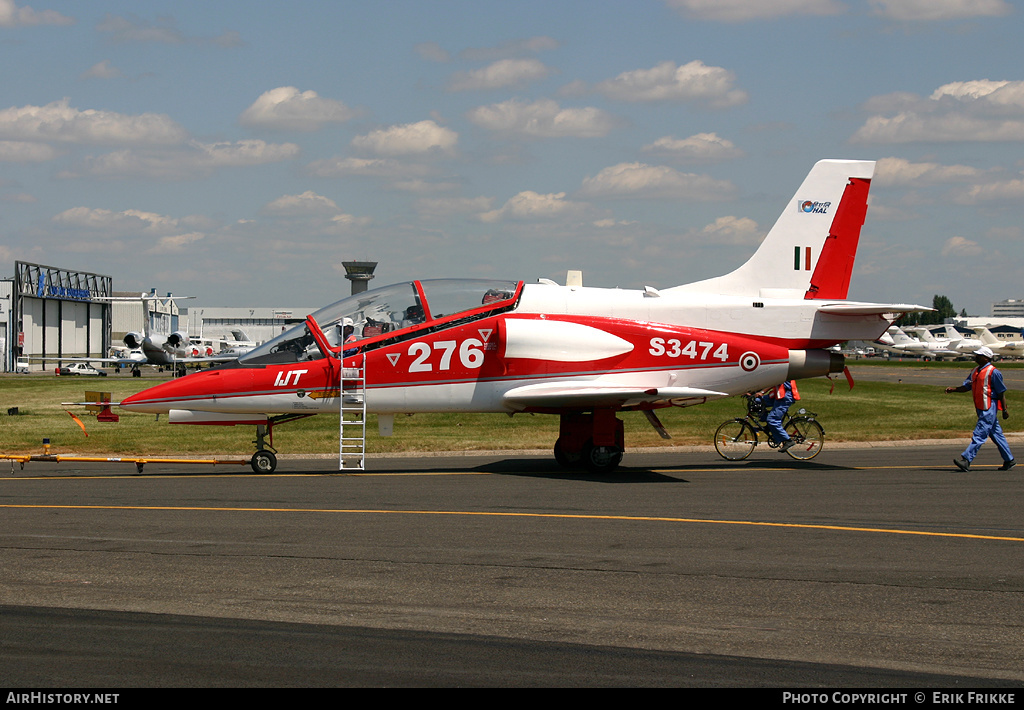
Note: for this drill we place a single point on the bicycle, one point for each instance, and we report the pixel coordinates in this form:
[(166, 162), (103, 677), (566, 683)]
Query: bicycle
[(737, 438)]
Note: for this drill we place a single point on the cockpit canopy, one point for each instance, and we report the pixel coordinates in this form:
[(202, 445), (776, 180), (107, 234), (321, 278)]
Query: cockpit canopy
[(376, 317)]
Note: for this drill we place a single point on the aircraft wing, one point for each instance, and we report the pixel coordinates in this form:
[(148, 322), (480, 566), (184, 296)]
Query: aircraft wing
[(853, 308), (128, 361), (57, 358), (561, 395)]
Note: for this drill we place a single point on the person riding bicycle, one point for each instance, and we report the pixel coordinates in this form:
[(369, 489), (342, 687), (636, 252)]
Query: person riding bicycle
[(777, 401)]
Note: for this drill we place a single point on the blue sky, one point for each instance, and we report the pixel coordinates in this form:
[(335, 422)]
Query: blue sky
[(239, 151)]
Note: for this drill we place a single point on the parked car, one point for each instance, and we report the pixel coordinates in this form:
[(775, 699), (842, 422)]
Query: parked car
[(21, 366), (82, 368)]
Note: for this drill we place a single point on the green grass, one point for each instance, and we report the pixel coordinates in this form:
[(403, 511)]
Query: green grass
[(966, 363), (872, 411)]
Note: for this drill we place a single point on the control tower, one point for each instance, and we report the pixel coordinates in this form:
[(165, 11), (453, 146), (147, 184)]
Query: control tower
[(359, 273)]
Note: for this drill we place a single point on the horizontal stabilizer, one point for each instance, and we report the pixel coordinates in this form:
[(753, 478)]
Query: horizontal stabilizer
[(853, 308), (570, 395)]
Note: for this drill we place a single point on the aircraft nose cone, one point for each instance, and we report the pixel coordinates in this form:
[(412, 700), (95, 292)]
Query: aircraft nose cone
[(159, 398)]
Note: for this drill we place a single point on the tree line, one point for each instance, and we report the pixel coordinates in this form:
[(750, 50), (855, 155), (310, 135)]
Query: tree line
[(943, 309)]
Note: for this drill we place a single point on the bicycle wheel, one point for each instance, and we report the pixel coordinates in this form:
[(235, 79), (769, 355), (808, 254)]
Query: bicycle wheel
[(735, 439), (809, 437)]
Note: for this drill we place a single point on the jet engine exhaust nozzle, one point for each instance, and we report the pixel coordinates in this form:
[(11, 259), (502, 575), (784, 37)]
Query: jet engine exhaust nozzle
[(814, 363)]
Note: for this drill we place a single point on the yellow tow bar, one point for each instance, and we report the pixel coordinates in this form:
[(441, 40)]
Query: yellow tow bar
[(139, 461)]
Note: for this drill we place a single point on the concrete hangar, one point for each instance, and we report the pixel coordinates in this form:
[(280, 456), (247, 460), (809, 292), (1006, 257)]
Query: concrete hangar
[(54, 312), (46, 310)]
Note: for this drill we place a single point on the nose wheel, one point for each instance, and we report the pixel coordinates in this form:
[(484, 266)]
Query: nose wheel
[(263, 461), (265, 458)]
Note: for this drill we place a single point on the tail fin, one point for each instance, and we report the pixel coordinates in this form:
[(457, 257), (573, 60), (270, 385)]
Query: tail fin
[(810, 251), (925, 334), (987, 338), (901, 338)]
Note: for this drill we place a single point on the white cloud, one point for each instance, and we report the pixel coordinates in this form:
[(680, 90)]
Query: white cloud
[(979, 110), (124, 222), (995, 93), (694, 81), (366, 167), (640, 181), (529, 205), (959, 246), (422, 187), (502, 73), (744, 10), (439, 207), (58, 121), (543, 119), (930, 10), (286, 108), (608, 223), (243, 153), (408, 139), (319, 214), (307, 203), (196, 159), (698, 148), (13, 16), (177, 244), (513, 48), (341, 222), (25, 152), (897, 171), (432, 52), (102, 70), (120, 29), (1010, 191), (733, 230)]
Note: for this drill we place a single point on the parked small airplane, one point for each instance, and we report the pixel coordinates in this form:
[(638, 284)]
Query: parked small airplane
[(157, 348), (961, 343), (1000, 346), (237, 345), (581, 353), (896, 340)]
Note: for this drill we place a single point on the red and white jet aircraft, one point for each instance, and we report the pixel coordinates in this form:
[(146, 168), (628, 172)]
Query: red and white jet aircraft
[(584, 354)]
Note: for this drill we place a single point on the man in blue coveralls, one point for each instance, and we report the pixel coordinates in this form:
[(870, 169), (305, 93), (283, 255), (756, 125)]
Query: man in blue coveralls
[(779, 399), (986, 384)]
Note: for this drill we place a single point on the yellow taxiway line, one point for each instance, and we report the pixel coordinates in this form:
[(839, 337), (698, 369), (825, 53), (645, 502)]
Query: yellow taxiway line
[(550, 516)]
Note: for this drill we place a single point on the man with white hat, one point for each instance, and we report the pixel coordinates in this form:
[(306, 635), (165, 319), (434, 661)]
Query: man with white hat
[(986, 383)]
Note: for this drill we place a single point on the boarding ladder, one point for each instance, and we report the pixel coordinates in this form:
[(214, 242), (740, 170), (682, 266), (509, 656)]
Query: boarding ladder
[(352, 407)]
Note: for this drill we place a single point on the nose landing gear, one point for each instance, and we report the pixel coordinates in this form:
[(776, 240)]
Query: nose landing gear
[(265, 458)]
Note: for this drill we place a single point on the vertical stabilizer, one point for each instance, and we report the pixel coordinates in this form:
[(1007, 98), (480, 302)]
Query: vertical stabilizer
[(810, 251), (986, 336)]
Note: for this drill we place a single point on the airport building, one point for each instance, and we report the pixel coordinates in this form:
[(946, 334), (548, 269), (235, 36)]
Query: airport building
[(1010, 308), (54, 312), (6, 292), (260, 324)]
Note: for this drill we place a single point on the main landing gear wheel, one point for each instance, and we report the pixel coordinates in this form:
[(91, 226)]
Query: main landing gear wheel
[(263, 461), (809, 435), (735, 440), (565, 458), (601, 459)]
